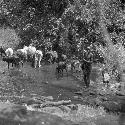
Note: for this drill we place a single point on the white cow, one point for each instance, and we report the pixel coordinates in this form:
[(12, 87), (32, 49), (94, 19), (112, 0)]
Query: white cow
[(25, 48), (22, 53), (38, 58), (31, 50), (9, 52)]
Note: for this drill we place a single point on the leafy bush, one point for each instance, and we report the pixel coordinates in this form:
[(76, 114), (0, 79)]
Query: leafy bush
[(114, 59), (9, 38)]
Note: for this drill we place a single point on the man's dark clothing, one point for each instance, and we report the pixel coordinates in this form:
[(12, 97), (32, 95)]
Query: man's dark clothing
[(86, 68)]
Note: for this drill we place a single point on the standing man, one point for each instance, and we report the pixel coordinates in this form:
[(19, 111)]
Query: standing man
[(87, 67)]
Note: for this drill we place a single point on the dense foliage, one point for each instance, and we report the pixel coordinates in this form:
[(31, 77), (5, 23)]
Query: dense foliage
[(71, 26)]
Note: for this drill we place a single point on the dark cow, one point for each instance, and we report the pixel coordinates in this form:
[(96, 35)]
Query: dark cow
[(48, 57), (61, 66), (14, 60), (51, 57), (2, 51), (75, 65), (61, 58)]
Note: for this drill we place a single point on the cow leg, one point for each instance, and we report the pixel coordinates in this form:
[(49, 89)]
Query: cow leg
[(54, 60), (22, 63), (35, 63), (66, 72), (72, 67), (62, 72), (15, 63), (51, 59), (39, 62), (12, 64), (18, 64), (25, 58), (57, 72), (8, 65)]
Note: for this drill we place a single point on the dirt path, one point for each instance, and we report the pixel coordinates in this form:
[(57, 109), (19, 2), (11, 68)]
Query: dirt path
[(63, 88), (34, 82)]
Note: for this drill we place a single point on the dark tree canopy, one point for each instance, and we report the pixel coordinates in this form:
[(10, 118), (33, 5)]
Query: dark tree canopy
[(63, 22)]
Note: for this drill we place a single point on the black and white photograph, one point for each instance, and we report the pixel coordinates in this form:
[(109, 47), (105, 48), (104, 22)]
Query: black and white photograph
[(62, 62)]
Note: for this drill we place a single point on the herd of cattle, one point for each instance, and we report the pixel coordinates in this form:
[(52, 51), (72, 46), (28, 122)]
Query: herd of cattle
[(31, 54)]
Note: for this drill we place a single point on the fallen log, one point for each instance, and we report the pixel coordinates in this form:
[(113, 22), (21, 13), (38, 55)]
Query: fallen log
[(43, 98), (47, 104), (36, 100)]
